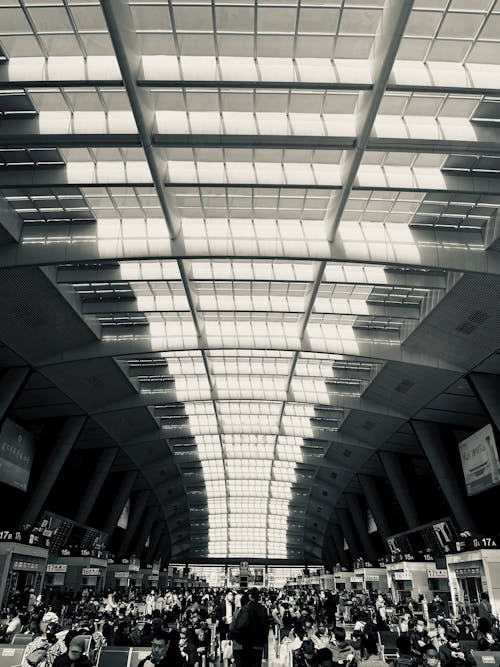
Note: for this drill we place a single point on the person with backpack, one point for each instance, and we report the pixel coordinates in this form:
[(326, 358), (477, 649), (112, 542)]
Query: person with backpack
[(236, 631)]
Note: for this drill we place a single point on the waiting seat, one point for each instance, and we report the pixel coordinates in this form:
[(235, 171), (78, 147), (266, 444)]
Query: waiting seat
[(113, 656), (11, 655), (21, 640)]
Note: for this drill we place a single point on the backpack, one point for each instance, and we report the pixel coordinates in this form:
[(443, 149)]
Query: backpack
[(240, 626)]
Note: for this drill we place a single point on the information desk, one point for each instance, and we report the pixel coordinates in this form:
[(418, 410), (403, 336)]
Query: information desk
[(11, 656)]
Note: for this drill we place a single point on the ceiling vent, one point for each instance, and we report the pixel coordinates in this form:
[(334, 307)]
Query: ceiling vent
[(473, 321), (404, 386)]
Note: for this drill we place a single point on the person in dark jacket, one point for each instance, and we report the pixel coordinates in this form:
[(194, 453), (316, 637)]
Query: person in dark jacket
[(452, 654), (121, 636), (164, 652), (403, 644), (75, 655), (488, 638), (254, 630)]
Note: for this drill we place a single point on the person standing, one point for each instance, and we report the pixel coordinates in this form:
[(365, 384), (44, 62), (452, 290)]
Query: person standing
[(256, 630)]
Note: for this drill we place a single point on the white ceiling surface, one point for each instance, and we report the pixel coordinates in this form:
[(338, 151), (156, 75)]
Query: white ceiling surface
[(273, 227)]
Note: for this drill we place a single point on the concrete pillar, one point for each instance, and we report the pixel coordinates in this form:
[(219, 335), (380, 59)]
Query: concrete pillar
[(394, 471), (121, 498), (66, 438), (369, 486), (349, 534), (11, 383), (101, 471), (137, 507), (148, 518), (432, 443), (487, 388), (358, 516)]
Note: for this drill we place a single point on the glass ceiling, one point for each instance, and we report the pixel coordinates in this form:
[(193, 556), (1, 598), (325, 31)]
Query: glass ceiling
[(258, 202)]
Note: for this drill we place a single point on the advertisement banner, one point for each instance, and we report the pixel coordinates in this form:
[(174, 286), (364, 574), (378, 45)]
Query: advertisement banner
[(480, 462), (123, 520), (16, 455)]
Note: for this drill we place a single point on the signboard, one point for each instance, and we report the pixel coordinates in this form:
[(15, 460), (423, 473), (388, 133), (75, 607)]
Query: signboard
[(134, 565), (121, 575), (56, 567), (437, 574), (480, 463), (35, 537), (401, 576), (356, 580), (468, 572), (16, 455), (91, 572), (26, 566), (372, 577), (370, 520)]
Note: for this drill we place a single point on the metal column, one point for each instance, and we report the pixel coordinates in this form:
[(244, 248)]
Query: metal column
[(432, 443), (149, 517), (338, 540), (356, 512), (101, 471), (137, 507), (487, 388), (11, 384), (65, 440), (394, 470), (369, 486), (348, 530), (154, 540), (121, 498)]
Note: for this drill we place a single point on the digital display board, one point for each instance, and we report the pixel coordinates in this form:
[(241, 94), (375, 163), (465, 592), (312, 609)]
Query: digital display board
[(429, 542)]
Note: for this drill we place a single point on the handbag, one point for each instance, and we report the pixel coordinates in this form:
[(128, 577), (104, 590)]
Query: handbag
[(227, 649), (37, 656)]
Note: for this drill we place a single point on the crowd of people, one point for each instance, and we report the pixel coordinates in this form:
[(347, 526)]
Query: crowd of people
[(214, 626)]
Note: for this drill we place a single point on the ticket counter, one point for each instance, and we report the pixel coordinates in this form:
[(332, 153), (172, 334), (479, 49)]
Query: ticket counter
[(408, 579), (372, 579), (439, 584), (472, 573), (343, 580), (21, 566), (76, 572)]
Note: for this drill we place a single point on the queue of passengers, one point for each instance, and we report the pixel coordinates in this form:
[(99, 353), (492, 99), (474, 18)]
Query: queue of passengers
[(213, 626)]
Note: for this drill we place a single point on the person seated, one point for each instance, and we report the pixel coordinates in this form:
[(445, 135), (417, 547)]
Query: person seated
[(75, 655), (370, 653), (342, 652), (488, 638), (465, 628), (324, 658), (419, 638), (438, 638), (305, 655), (187, 647), (121, 635), (430, 657), (405, 659), (452, 654)]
